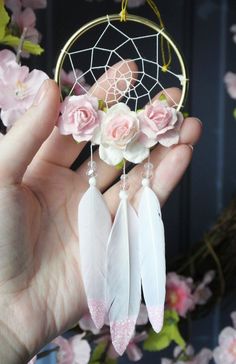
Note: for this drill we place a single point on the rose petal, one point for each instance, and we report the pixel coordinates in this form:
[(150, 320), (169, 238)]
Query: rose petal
[(170, 138), (110, 155), (136, 153)]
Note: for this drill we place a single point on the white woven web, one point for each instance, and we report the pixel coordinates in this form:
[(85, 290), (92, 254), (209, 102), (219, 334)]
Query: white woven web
[(120, 81)]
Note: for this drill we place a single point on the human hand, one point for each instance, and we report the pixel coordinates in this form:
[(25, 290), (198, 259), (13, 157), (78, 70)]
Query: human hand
[(41, 291)]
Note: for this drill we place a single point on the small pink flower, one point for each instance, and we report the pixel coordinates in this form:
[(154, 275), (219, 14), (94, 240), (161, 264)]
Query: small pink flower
[(233, 318), (86, 324), (118, 137), (202, 293), (230, 82), (13, 5), (133, 352), (80, 117), (134, 3), (188, 356), (34, 4), (72, 351), (178, 294), (160, 123), (68, 80), (18, 87), (225, 353), (26, 19), (233, 30)]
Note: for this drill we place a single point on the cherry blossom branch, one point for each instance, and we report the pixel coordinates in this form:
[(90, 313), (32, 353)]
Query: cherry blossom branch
[(21, 45)]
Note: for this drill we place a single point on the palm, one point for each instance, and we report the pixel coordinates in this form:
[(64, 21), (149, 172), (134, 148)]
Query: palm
[(40, 270)]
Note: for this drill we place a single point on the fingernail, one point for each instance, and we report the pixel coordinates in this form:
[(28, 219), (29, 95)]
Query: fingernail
[(41, 93), (199, 121), (190, 146)]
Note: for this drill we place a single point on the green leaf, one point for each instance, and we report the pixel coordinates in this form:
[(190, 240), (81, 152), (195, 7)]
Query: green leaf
[(234, 113), (162, 97), (169, 333), (98, 351), (156, 342), (176, 336), (120, 165), (110, 361), (28, 46), (4, 19)]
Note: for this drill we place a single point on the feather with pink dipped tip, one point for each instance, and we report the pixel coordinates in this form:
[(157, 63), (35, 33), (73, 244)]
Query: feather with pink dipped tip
[(94, 222), (123, 275), (152, 256)]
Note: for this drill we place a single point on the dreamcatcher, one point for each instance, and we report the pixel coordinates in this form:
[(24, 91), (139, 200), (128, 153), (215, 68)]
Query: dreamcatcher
[(128, 60)]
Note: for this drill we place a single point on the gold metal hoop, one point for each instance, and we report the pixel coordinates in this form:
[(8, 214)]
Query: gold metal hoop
[(133, 18)]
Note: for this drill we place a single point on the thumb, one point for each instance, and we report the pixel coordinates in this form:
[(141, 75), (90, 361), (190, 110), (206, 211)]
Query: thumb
[(19, 146)]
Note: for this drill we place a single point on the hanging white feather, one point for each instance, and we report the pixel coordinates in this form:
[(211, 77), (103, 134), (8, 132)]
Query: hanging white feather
[(123, 275), (152, 256), (94, 222)]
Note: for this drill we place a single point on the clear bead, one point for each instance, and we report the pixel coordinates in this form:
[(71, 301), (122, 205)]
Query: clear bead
[(92, 165), (124, 182), (148, 170)]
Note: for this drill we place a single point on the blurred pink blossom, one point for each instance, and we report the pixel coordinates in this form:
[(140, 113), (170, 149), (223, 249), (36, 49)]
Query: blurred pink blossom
[(133, 352), (18, 87), (86, 324), (230, 82), (225, 353), (178, 294), (68, 80), (188, 357), (233, 318), (72, 351), (16, 5), (233, 30), (133, 3), (25, 19), (13, 5), (202, 293), (34, 4)]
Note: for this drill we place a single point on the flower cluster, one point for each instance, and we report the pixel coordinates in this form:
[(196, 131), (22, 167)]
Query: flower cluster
[(182, 295), (18, 87), (119, 132)]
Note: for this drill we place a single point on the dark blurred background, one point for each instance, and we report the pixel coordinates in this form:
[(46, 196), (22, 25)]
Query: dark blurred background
[(201, 28)]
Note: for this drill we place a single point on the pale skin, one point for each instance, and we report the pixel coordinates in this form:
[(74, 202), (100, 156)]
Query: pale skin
[(41, 291)]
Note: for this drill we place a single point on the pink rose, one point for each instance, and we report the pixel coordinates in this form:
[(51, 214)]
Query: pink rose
[(159, 123), (80, 117), (119, 135), (178, 294)]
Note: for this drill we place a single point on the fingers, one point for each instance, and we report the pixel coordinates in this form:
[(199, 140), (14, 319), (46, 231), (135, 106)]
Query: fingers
[(63, 150), (19, 146), (166, 176)]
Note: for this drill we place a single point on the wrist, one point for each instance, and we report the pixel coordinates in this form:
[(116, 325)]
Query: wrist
[(12, 351)]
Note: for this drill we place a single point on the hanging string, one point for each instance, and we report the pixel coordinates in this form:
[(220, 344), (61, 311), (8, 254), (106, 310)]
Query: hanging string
[(123, 13), (166, 60)]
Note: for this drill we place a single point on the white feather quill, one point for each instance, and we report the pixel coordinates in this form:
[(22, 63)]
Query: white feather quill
[(94, 222), (123, 275), (152, 256)]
